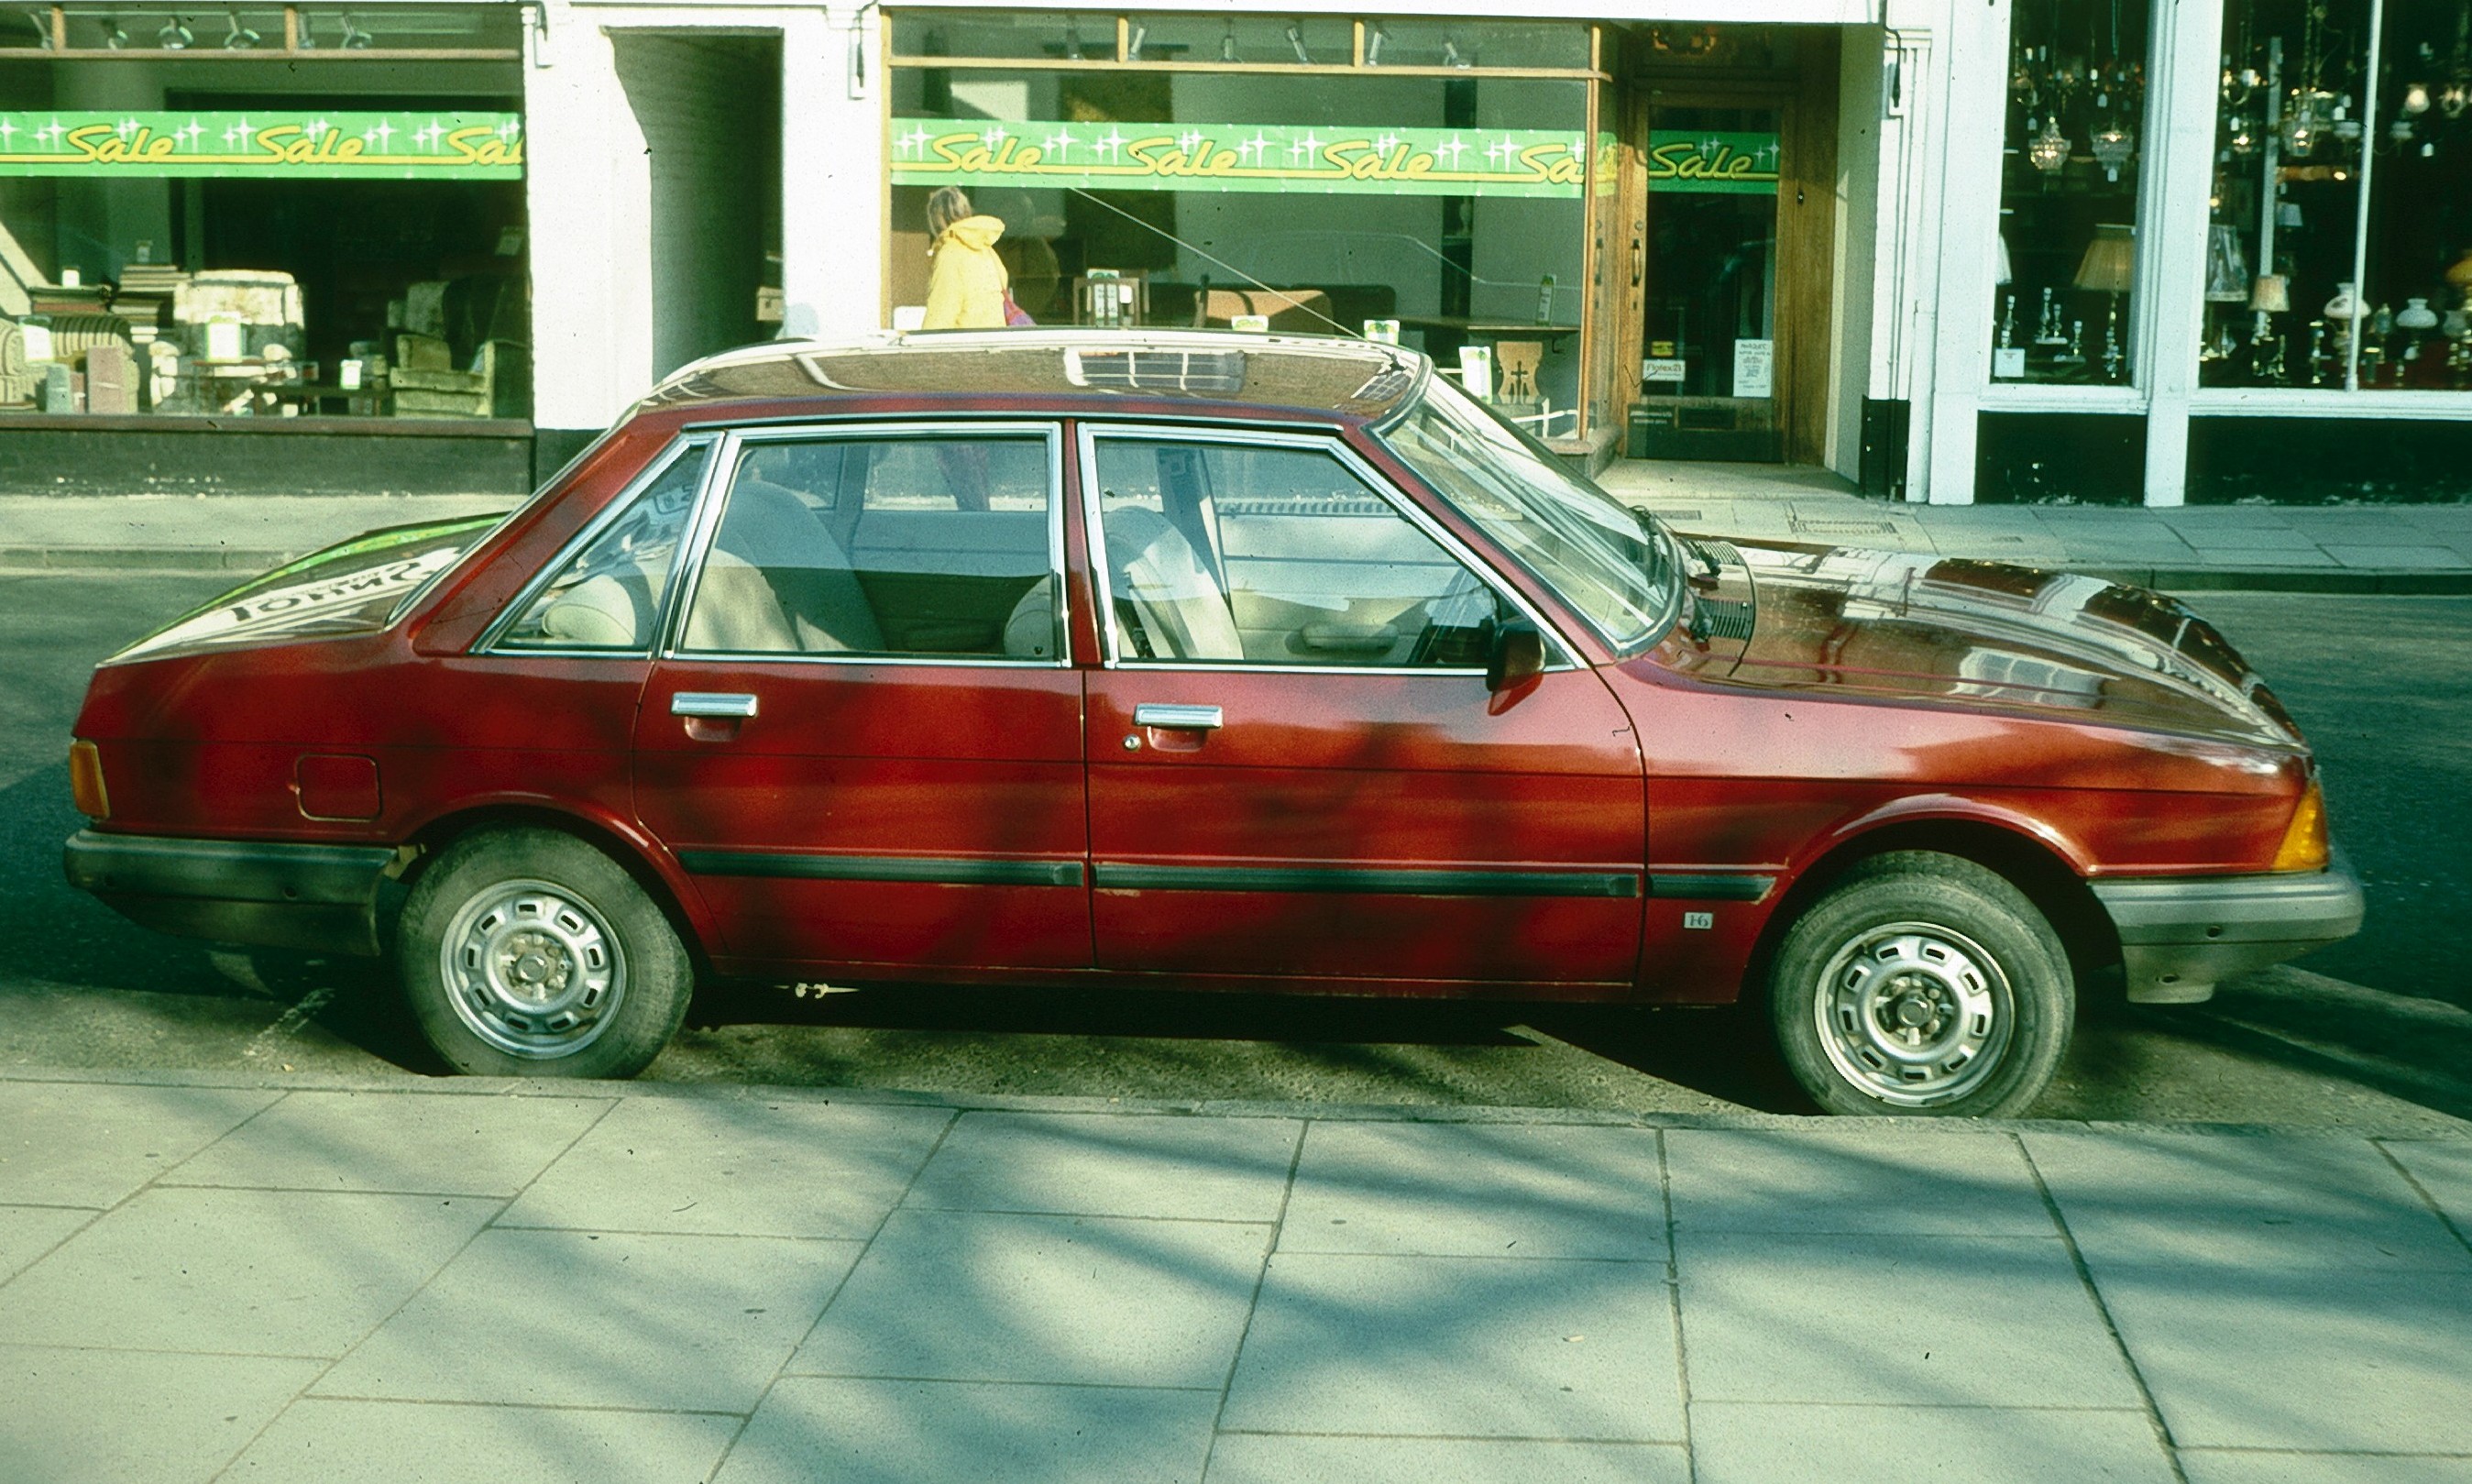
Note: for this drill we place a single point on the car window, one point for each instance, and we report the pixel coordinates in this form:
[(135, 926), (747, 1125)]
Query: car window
[(916, 546), (1606, 562), (608, 597), (1276, 554)]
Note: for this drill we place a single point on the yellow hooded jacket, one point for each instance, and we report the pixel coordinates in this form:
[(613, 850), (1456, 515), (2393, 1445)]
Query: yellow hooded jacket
[(966, 288)]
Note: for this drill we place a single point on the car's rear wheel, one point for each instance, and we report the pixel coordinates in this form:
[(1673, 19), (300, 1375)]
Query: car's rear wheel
[(1921, 984), (527, 953)]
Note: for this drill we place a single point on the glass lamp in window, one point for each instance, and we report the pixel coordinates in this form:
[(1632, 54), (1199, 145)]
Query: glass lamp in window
[(2048, 150), (2227, 266), (2113, 145), (2109, 268)]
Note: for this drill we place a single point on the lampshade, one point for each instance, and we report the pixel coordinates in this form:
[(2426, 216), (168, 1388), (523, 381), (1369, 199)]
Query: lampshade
[(2460, 275), (2110, 262), (2008, 274), (2270, 293)]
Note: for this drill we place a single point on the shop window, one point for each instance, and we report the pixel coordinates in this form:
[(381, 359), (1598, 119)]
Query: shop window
[(1287, 41), (197, 234), (1395, 42), (138, 30), (1447, 209), (2340, 250), (1054, 34), (2069, 193)]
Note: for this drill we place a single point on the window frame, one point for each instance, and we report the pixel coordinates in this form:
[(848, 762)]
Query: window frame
[(1560, 654), (712, 499)]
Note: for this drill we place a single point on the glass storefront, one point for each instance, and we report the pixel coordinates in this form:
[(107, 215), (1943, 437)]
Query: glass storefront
[(1427, 178), (2063, 311), (293, 211), (2340, 244)]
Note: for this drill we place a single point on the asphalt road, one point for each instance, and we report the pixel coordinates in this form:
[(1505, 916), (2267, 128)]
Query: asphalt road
[(2373, 1034)]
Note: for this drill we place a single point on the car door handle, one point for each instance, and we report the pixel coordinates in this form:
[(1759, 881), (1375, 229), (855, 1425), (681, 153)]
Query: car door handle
[(712, 702), (1179, 718)]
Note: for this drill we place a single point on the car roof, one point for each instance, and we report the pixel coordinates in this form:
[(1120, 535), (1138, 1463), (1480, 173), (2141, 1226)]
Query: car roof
[(1232, 371)]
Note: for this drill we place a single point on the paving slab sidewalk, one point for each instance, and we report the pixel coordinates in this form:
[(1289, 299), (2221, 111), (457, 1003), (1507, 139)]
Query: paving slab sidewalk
[(207, 1277), (2357, 548)]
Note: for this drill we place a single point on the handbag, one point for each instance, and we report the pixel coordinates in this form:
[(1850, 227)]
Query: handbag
[(1016, 316)]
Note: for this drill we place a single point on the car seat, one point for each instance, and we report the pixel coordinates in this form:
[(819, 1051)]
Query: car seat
[(1165, 596)]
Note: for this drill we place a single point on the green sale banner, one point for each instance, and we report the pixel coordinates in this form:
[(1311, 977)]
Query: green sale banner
[(1712, 162), (1116, 157), (456, 146)]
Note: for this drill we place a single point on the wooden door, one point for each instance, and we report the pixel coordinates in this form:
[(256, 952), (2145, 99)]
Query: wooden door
[(1731, 202)]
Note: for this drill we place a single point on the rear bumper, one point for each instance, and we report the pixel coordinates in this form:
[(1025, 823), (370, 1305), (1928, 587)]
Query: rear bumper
[(320, 898), (2180, 935)]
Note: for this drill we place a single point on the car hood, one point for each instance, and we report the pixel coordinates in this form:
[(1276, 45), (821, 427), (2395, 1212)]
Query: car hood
[(358, 586), (1908, 627)]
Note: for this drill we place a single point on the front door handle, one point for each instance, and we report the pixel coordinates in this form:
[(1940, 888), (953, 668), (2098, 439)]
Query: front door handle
[(712, 702), (1179, 718)]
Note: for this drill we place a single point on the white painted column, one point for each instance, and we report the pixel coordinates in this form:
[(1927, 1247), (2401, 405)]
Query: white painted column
[(1974, 76), (1906, 248), (1864, 211), (2182, 72), (832, 170), (588, 196)]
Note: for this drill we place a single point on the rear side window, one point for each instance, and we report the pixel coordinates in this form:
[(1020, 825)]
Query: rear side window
[(923, 547), (609, 596)]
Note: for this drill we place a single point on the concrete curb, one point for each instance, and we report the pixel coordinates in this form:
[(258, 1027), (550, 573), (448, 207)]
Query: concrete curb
[(1192, 1108), (22, 559), (2389, 582)]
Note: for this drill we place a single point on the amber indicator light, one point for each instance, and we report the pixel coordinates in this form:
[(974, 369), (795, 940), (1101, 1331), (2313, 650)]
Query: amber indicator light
[(2304, 840), (85, 780)]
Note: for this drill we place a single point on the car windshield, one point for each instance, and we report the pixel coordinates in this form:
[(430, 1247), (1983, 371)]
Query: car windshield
[(1610, 563)]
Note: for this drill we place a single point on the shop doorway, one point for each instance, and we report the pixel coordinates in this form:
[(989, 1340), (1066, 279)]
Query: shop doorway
[(1730, 191), (709, 107), (1708, 311)]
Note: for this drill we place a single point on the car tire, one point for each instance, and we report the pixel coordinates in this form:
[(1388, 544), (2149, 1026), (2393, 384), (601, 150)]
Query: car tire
[(529, 953), (1921, 985)]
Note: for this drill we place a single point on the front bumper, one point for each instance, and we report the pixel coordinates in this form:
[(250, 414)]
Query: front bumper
[(2180, 935), (322, 898)]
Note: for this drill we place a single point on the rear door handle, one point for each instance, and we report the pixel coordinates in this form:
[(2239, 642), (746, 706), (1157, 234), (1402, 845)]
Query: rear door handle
[(712, 702), (1179, 718)]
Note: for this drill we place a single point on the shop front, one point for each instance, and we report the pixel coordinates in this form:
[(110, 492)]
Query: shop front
[(284, 247), (1624, 233), (2227, 257)]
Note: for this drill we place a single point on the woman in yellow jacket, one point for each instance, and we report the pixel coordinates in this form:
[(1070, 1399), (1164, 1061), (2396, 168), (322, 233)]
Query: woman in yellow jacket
[(966, 286)]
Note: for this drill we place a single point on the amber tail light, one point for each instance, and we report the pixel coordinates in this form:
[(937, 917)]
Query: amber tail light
[(2304, 839), (85, 780)]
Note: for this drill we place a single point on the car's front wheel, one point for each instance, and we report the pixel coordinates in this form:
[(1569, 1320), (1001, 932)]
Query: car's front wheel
[(1921, 984), (527, 953)]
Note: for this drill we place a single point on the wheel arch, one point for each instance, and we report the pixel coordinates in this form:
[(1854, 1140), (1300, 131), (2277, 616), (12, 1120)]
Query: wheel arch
[(653, 868), (2026, 858)]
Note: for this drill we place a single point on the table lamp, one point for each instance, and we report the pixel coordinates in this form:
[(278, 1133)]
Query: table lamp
[(2109, 267), (2269, 294)]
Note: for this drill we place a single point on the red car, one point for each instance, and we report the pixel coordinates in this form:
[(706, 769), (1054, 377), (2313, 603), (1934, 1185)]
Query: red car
[(1206, 662)]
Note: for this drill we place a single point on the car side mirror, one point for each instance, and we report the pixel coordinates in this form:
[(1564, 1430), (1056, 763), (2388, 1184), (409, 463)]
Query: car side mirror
[(1515, 657)]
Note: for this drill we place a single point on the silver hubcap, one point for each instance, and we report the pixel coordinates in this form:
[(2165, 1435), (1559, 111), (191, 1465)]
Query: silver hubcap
[(1913, 1013), (532, 971)]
